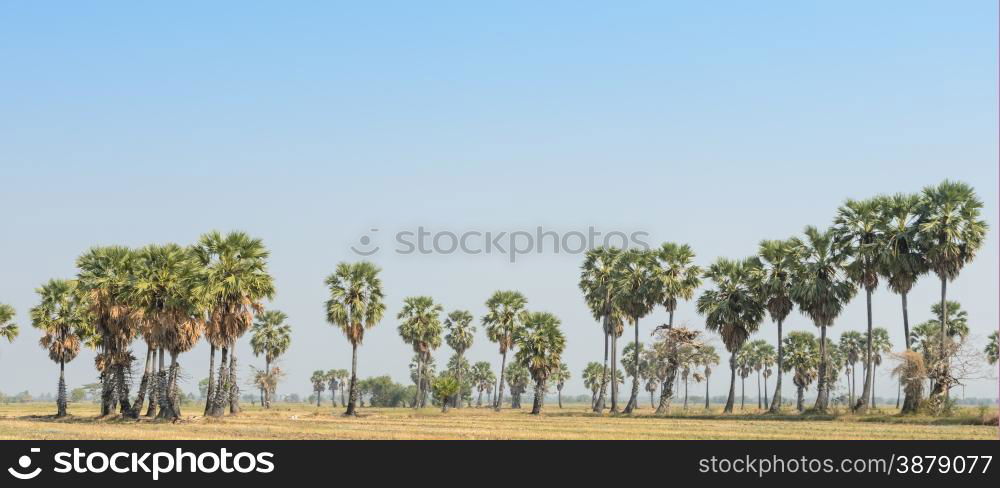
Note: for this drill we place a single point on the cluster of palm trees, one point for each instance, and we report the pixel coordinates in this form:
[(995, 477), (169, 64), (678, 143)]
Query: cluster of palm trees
[(170, 296), (896, 238)]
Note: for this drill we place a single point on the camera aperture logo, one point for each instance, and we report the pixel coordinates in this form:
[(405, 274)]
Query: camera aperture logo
[(511, 244), (154, 463)]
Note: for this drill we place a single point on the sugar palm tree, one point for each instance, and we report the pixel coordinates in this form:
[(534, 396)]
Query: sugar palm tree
[(62, 318), (763, 358), (423, 372), (598, 277), (333, 383), (444, 388), (540, 345), (420, 327), (628, 362), (880, 345), (8, 329), (518, 377), (802, 358), (460, 335), (858, 230), (560, 376), (991, 348), (318, 380), (951, 232), (679, 278), (821, 290), (236, 282), (734, 308), (708, 358), (779, 258), (355, 304), (503, 321), (104, 273), (481, 376), (460, 368), (904, 261), (638, 287), (851, 344), (592, 376), (271, 337)]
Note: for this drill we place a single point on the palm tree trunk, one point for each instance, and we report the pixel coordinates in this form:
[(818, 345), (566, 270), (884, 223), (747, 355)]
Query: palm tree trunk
[(599, 404), (211, 380), (61, 398), (652, 402), (799, 398), (479, 399), (154, 387), (614, 372), (685, 393), (265, 400), (234, 387), (536, 407), (559, 395), (941, 387), (732, 384), (107, 394), (822, 388), (503, 366), (461, 388), (866, 392), (418, 402), (707, 406), (743, 392), (759, 406), (221, 389), (776, 398), (354, 381), (162, 389), (633, 401), (140, 398)]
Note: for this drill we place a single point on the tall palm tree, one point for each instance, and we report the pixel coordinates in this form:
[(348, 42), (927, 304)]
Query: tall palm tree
[(779, 258), (461, 334), (629, 364), (763, 358), (991, 350), (821, 291), (598, 277), (8, 329), (334, 383), (503, 321), (355, 304), (423, 372), (734, 308), (802, 358), (235, 284), (708, 358), (880, 345), (560, 376), (318, 380), (483, 378), (951, 232), (540, 345), (679, 278), (166, 292), (62, 318), (858, 232), (638, 290), (851, 344), (270, 337), (420, 328), (904, 261), (104, 273), (518, 377), (744, 366), (342, 376)]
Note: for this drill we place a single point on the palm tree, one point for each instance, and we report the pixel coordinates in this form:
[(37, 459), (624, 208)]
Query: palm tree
[(318, 380), (592, 376), (62, 318), (104, 274), (628, 362), (850, 344), (460, 368), (744, 366), (821, 291), (272, 337), (460, 335), (598, 277), (236, 282), (503, 321), (342, 376), (733, 309), (420, 328), (8, 329), (517, 380), (763, 358), (991, 348), (879, 345), (560, 375), (679, 278), (637, 288), (355, 304), (540, 346), (444, 388), (333, 382), (423, 372), (858, 232), (708, 358), (481, 376), (802, 357), (779, 258), (904, 261), (951, 233)]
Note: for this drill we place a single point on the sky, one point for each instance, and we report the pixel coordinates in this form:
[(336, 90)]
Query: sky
[(307, 124)]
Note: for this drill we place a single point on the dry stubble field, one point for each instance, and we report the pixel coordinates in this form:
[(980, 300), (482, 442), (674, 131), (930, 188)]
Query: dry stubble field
[(296, 421)]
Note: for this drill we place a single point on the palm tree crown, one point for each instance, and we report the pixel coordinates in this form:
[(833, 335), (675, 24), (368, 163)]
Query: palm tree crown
[(8, 329)]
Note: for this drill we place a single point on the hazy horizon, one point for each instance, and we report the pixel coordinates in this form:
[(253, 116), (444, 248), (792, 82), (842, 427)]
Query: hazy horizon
[(712, 125)]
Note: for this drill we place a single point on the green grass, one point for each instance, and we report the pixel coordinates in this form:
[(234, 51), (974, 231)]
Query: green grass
[(297, 421)]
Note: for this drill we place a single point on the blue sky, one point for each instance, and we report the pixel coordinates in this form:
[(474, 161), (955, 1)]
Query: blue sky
[(717, 124)]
